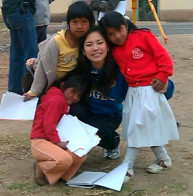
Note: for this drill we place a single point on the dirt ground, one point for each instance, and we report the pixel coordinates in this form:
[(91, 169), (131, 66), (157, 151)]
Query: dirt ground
[(16, 173)]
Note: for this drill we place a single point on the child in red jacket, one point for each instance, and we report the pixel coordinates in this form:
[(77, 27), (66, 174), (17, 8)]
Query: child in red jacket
[(148, 120), (54, 160)]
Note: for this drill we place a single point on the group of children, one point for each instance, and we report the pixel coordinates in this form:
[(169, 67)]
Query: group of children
[(147, 120)]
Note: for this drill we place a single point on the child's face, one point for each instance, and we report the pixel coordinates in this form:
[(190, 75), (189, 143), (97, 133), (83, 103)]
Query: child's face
[(117, 37), (79, 26), (95, 49), (72, 95)]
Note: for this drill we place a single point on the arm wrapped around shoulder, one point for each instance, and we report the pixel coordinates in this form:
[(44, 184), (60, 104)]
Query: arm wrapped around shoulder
[(170, 89)]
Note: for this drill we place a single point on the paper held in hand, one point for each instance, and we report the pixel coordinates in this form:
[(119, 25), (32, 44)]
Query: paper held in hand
[(14, 108), (82, 137)]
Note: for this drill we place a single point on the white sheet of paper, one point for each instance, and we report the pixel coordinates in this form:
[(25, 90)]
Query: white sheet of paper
[(71, 129), (13, 108), (94, 142), (121, 8), (86, 178), (113, 180), (90, 129)]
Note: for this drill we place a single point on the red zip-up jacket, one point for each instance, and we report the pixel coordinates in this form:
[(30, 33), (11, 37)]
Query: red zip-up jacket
[(48, 113), (142, 58)]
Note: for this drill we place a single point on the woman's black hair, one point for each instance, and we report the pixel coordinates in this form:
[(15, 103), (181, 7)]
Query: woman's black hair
[(80, 9), (73, 79), (106, 80)]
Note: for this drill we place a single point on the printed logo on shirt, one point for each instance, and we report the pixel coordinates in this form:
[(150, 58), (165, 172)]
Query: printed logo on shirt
[(69, 59), (137, 53), (97, 95)]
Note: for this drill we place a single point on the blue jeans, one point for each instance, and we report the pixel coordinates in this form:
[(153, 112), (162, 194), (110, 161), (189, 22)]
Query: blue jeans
[(23, 45)]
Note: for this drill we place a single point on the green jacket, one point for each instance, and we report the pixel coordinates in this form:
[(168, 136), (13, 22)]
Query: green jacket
[(108, 5)]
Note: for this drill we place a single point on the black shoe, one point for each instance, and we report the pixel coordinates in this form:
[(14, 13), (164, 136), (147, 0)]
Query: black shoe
[(178, 124)]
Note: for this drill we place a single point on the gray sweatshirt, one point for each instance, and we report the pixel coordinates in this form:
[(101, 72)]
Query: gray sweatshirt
[(42, 15)]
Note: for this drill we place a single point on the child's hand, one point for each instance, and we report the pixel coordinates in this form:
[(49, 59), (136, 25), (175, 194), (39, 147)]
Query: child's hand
[(27, 97), (158, 85), (30, 62), (62, 144), (88, 1)]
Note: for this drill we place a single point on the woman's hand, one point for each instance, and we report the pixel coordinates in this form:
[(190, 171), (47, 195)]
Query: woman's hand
[(62, 144), (27, 97)]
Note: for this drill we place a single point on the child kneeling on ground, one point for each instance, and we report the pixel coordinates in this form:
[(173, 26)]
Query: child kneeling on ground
[(54, 160)]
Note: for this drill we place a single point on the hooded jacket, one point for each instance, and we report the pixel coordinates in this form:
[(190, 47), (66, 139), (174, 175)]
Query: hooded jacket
[(42, 15), (48, 113), (55, 59)]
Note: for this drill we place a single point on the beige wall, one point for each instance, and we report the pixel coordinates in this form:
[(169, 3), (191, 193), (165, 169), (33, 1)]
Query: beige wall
[(176, 15), (65, 3), (169, 10), (176, 10), (58, 12), (176, 4), (59, 6)]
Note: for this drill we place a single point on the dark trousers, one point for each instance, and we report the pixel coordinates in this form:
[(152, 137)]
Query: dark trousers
[(107, 124), (41, 32)]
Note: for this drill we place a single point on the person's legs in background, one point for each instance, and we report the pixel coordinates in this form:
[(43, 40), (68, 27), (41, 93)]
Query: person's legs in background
[(41, 32), (23, 46), (30, 45)]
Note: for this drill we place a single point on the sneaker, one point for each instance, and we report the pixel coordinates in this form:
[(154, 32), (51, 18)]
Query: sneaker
[(159, 166), (129, 176), (112, 154)]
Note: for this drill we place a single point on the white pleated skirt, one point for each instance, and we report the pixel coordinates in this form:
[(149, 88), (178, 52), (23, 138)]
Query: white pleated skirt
[(147, 118)]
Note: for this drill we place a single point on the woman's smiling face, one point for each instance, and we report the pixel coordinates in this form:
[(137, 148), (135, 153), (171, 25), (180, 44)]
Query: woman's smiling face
[(95, 49)]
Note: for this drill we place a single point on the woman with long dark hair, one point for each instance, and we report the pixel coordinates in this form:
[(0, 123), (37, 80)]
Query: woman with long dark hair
[(103, 108)]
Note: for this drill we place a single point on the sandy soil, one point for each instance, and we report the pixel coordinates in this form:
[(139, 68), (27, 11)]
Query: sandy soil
[(16, 161)]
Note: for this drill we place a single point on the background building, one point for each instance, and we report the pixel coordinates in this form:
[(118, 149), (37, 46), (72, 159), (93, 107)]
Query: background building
[(167, 10)]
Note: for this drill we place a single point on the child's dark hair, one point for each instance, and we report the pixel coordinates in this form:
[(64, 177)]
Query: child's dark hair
[(76, 80), (80, 9), (110, 68), (114, 19)]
